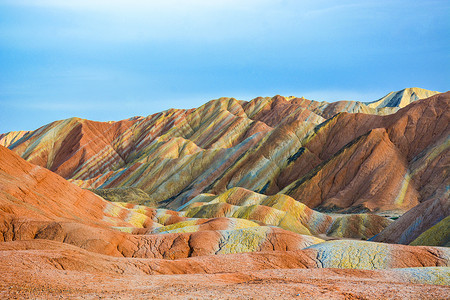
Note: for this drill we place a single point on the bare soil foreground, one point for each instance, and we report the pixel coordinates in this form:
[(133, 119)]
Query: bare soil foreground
[(264, 284), (31, 272)]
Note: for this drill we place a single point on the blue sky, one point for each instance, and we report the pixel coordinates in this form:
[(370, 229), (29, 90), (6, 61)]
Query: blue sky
[(110, 60)]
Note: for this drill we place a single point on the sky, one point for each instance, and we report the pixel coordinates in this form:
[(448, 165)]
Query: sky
[(114, 59)]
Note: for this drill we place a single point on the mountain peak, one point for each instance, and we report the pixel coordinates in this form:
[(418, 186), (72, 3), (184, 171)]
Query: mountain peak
[(401, 98)]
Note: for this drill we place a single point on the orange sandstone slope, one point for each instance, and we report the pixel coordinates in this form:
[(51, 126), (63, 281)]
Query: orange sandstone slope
[(350, 162), (32, 193)]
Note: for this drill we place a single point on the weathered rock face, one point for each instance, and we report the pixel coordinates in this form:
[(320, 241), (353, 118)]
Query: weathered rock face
[(355, 178), (350, 162), (417, 221)]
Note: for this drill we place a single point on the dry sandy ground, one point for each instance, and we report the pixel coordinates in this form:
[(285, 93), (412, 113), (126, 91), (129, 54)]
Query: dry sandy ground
[(265, 284)]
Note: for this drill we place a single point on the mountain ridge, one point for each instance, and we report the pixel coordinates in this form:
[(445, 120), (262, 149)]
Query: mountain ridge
[(177, 154), (8, 138)]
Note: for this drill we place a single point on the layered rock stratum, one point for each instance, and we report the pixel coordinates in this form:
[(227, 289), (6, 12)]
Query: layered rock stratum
[(279, 192)]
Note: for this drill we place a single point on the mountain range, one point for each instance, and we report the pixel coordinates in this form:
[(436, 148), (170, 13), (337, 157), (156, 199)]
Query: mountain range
[(234, 186)]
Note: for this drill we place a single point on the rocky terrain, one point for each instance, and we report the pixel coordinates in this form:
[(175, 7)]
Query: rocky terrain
[(301, 198)]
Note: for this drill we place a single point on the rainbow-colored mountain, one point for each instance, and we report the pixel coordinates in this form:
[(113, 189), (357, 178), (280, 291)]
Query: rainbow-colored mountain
[(234, 187)]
